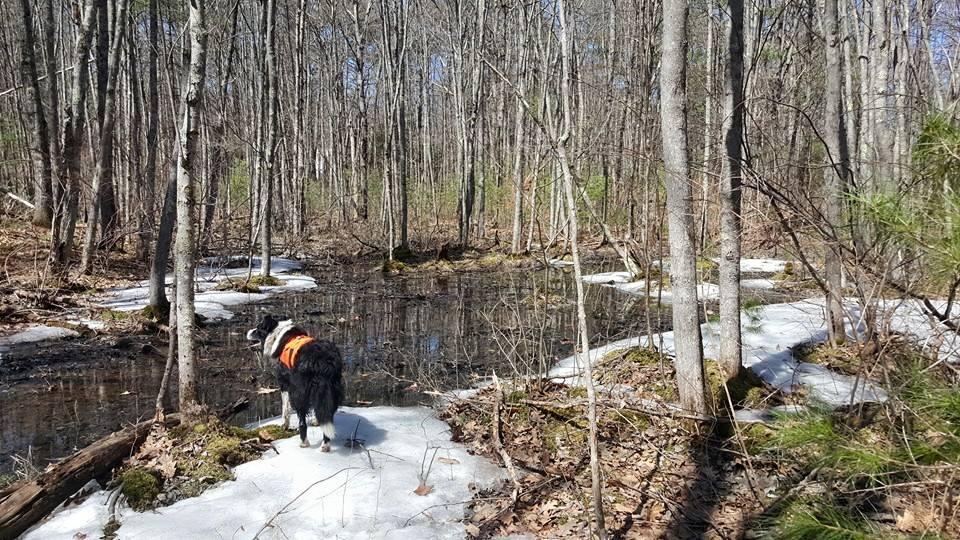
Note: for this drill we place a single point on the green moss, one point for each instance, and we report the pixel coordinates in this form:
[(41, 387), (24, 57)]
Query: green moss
[(114, 315), (746, 389), (579, 392), (516, 396), (558, 434), (393, 267), (265, 281), (276, 431), (7, 479), (756, 437), (227, 450), (140, 487), (159, 313)]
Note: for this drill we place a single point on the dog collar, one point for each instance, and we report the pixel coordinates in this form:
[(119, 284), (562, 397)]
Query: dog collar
[(292, 350)]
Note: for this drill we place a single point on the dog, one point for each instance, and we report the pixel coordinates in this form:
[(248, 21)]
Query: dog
[(309, 373)]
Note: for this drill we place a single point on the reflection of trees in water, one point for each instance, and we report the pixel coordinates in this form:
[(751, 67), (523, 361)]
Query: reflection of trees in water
[(436, 330)]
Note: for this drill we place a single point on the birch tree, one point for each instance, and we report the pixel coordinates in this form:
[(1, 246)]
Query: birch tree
[(188, 160)]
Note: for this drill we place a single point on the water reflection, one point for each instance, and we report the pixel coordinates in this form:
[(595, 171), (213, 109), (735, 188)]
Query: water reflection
[(438, 331)]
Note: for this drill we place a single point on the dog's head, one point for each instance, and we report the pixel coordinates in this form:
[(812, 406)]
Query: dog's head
[(267, 325)]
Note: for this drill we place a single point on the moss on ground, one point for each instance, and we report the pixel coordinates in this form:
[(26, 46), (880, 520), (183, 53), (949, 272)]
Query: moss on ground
[(140, 487), (844, 358), (265, 281), (159, 313), (187, 460), (747, 390)]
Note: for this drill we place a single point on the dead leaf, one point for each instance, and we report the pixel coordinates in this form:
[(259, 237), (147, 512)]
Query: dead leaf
[(412, 388), (423, 490), (266, 390), (266, 435), (79, 536), (125, 393), (472, 530), (448, 461)]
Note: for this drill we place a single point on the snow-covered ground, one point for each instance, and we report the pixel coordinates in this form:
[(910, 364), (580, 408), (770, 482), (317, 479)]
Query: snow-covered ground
[(304, 493), (35, 333), (771, 331), (211, 303), (624, 281)]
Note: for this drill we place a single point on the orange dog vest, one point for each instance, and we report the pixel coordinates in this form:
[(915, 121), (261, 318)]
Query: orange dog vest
[(288, 357)]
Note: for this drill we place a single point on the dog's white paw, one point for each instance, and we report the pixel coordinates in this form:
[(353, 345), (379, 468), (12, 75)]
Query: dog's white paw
[(325, 447), (304, 444)]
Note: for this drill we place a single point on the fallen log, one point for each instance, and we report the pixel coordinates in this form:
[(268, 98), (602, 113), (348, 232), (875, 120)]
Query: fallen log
[(29, 501)]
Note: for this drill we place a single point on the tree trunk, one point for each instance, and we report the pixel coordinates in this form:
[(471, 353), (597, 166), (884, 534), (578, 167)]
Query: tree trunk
[(104, 171), (583, 335), (270, 152), (188, 159), (40, 147), (730, 195), (148, 211), (73, 131), (683, 269), (838, 171)]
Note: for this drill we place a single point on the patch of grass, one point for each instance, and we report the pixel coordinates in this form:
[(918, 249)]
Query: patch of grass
[(811, 428), (140, 487), (812, 519)]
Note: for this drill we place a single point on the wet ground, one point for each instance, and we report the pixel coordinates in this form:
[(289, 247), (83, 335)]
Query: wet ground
[(400, 336)]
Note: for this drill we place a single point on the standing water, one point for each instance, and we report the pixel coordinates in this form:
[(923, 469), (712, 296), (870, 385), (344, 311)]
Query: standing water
[(402, 338)]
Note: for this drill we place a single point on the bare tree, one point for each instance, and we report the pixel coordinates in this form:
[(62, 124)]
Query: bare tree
[(65, 216), (683, 260), (563, 139), (43, 177), (730, 194), (187, 163), (104, 171), (837, 173)]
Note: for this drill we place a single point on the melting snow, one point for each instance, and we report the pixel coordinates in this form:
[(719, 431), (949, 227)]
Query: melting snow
[(37, 333), (771, 331), (211, 303), (347, 493)]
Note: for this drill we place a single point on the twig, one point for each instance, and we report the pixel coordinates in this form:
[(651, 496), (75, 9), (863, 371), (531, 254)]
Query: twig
[(498, 444), (301, 494)]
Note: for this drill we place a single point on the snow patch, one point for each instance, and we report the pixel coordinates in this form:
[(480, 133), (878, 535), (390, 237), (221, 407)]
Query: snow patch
[(211, 303), (36, 333), (768, 336), (361, 492)]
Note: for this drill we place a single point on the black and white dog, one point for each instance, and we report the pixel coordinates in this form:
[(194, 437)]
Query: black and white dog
[(309, 373)]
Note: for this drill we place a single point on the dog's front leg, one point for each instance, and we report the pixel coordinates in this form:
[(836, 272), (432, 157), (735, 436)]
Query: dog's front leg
[(285, 405)]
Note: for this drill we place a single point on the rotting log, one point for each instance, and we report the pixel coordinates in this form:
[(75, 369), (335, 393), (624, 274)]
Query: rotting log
[(29, 501)]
